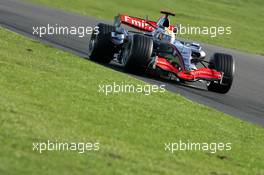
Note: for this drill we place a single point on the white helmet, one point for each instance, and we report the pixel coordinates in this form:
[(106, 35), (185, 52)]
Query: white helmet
[(167, 35)]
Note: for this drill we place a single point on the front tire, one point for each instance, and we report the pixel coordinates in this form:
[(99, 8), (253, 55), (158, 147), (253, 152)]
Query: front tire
[(101, 49), (137, 53), (222, 63)]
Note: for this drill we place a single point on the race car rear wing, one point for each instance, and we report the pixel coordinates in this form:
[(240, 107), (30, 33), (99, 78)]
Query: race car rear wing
[(138, 23)]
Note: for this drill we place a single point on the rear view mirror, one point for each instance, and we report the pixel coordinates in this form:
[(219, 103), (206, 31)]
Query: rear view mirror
[(176, 28)]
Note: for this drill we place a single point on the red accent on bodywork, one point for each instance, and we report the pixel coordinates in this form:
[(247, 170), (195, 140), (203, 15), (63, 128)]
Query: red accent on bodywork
[(166, 65), (201, 73), (139, 23)]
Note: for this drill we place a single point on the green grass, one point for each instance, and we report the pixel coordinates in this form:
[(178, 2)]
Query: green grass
[(47, 94), (246, 17)]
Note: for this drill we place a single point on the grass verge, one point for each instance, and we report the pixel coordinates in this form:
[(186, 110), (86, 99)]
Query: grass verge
[(47, 94)]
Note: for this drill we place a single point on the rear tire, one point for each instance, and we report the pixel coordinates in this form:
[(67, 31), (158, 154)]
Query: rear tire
[(101, 49), (222, 63), (137, 54)]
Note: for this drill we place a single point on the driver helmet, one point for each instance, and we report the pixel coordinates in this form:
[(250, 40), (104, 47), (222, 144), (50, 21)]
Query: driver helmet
[(167, 35)]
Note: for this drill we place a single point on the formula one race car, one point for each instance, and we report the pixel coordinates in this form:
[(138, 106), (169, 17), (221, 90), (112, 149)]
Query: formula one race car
[(153, 49)]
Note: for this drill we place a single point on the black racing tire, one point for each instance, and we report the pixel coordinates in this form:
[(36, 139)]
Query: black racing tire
[(222, 63), (137, 54), (101, 49)]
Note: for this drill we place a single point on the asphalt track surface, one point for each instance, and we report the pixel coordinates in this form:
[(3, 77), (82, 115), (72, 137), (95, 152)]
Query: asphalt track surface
[(244, 100)]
